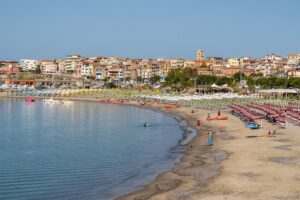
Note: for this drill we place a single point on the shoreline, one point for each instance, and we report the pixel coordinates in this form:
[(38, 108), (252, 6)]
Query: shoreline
[(199, 162), (163, 181)]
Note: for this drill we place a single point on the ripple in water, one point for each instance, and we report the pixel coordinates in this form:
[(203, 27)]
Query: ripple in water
[(88, 151)]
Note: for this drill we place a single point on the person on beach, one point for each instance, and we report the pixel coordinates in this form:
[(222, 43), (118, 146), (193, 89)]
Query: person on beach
[(210, 139), (198, 124), (269, 133), (208, 116), (206, 134), (219, 113)]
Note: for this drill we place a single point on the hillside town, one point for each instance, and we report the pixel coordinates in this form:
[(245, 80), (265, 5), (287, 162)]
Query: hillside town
[(95, 71)]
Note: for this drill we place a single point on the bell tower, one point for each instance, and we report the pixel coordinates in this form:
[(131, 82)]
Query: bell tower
[(200, 55)]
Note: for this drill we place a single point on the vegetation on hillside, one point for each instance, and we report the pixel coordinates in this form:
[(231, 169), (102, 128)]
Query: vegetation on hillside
[(180, 78)]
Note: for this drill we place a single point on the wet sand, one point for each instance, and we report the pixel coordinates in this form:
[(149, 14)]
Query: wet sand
[(198, 167)]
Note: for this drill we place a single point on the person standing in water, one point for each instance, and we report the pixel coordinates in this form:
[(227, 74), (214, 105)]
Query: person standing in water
[(210, 139)]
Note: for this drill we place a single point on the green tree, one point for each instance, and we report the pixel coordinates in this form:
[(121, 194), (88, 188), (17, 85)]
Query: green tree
[(128, 78), (106, 79), (110, 85), (280, 83), (173, 77), (237, 76), (155, 79), (187, 76), (271, 82), (181, 77), (38, 70), (224, 80), (258, 75), (262, 82), (293, 82), (139, 79), (206, 79), (251, 83)]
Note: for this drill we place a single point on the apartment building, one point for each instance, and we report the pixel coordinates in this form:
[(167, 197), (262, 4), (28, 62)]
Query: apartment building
[(61, 67), (72, 64), (9, 67), (28, 65), (216, 61), (48, 67), (189, 63), (86, 68), (294, 60), (177, 63)]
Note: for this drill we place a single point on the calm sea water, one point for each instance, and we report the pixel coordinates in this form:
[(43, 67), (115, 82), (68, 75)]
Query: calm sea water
[(85, 151)]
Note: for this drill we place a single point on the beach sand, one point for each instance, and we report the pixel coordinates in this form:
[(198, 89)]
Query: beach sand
[(235, 167)]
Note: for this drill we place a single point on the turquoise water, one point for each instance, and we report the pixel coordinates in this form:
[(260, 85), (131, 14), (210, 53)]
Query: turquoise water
[(85, 151)]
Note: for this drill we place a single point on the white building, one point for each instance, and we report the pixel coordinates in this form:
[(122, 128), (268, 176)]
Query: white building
[(28, 64), (86, 68), (234, 62), (177, 63), (293, 60), (72, 63), (238, 62), (272, 57), (48, 67)]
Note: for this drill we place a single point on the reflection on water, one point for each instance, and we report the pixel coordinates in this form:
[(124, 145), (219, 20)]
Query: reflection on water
[(85, 151)]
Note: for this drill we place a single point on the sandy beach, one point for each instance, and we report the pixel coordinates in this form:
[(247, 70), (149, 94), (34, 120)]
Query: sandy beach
[(236, 167)]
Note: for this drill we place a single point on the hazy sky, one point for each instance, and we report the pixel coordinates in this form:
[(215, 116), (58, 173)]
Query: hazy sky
[(148, 28)]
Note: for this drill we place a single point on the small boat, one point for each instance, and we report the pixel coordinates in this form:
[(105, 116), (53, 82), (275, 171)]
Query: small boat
[(67, 102), (30, 99), (217, 118), (252, 126), (171, 106), (51, 101)]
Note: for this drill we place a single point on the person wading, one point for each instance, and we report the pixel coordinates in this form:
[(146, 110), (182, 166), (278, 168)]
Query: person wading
[(210, 139)]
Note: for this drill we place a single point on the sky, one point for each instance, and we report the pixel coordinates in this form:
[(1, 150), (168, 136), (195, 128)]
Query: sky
[(48, 29)]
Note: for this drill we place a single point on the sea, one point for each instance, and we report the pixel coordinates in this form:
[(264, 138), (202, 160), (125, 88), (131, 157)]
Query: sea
[(88, 150)]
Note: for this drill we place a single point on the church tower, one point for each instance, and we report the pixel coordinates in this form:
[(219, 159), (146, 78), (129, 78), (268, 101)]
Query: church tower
[(200, 55)]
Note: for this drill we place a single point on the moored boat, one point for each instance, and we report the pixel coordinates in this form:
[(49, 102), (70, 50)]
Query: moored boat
[(30, 99), (171, 106)]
